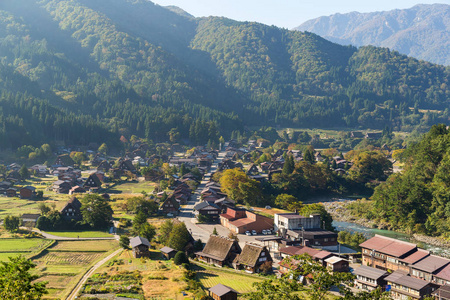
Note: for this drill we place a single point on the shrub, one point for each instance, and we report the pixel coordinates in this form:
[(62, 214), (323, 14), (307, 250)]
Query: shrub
[(180, 258)]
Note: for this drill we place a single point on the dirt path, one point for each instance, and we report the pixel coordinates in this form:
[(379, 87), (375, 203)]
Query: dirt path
[(62, 238), (89, 273)]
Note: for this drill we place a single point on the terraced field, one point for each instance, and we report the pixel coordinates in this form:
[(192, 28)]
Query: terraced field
[(69, 258)]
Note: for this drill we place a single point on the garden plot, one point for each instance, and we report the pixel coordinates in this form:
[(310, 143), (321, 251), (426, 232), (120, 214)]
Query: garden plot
[(69, 258)]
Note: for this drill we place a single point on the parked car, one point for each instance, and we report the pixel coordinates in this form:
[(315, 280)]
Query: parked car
[(264, 232), (254, 232), (248, 233), (268, 207)]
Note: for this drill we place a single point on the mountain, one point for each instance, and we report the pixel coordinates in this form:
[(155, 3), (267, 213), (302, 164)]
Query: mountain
[(422, 31), (81, 71)]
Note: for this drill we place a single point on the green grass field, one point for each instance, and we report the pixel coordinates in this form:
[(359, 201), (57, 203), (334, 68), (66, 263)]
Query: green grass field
[(21, 245), (80, 234), (132, 187), (238, 280)]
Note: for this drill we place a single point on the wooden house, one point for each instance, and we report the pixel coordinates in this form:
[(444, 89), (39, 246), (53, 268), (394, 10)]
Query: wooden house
[(337, 264), (170, 205), (11, 192), (222, 292), (208, 210), (442, 293), (61, 187), (27, 192), (168, 252), (368, 278), (219, 251), (252, 257), (72, 210), (140, 246), (403, 286), (64, 160), (92, 182), (387, 253), (30, 219)]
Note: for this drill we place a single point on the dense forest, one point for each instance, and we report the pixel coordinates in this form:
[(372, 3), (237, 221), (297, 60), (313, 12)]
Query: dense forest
[(418, 199), (80, 71)]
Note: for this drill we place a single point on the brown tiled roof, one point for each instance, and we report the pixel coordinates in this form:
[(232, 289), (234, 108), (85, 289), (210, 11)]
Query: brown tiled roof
[(322, 254), (249, 255), (444, 273), (416, 256), (242, 222), (388, 246), (431, 264), (217, 247), (298, 250)]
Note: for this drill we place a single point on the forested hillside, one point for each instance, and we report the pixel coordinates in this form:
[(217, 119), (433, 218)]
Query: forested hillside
[(422, 31), (418, 199), (80, 71)]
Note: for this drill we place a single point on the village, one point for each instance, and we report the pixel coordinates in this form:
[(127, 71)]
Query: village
[(181, 187)]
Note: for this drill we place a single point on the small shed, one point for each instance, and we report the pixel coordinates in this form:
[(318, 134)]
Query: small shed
[(30, 219), (11, 192), (140, 246), (222, 292), (337, 264), (168, 252), (27, 192)]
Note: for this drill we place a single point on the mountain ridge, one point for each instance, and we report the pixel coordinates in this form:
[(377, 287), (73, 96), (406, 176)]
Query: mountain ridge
[(136, 68), (422, 31)]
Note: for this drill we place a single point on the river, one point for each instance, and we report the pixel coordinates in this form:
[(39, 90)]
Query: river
[(370, 232)]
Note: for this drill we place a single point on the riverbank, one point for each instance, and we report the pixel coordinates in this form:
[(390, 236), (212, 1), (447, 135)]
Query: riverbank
[(339, 212)]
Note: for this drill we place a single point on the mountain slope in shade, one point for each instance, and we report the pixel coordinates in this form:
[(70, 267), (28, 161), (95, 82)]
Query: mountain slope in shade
[(422, 31)]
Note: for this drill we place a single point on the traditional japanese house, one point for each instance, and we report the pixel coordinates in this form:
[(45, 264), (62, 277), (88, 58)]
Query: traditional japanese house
[(252, 257), (219, 251)]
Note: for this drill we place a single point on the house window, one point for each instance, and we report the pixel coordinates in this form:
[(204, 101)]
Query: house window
[(262, 258), (263, 253)]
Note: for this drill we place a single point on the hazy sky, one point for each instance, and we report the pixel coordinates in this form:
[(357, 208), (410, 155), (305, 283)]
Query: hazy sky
[(286, 13)]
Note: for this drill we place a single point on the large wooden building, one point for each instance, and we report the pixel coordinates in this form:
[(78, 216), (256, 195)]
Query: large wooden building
[(219, 251)]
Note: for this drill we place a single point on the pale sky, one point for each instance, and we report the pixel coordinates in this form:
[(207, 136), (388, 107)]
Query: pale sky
[(286, 13)]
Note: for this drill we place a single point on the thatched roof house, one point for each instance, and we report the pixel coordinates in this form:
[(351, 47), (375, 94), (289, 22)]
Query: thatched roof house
[(252, 257), (219, 250)]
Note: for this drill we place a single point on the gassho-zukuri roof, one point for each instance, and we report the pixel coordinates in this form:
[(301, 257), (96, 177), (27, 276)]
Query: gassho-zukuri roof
[(249, 255), (217, 247), (136, 241), (220, 290), (370, 272)]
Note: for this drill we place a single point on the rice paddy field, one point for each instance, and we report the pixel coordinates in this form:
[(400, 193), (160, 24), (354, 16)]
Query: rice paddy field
[(65, 262)]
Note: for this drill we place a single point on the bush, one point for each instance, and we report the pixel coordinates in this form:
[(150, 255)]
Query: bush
[(180, 258)]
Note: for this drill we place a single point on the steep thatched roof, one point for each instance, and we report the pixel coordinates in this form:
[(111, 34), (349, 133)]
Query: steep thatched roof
[(218, 247), (249, 255)]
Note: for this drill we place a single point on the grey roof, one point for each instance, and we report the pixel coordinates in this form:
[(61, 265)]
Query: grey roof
[(370, 272), (167, 250), (431, 264), (29, 187), (136, 241), (405, 280), (220, 290), (205, 204)]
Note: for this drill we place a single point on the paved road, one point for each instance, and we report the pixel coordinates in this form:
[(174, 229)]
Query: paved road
[(89, 273), (203, 231)]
